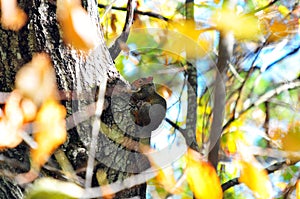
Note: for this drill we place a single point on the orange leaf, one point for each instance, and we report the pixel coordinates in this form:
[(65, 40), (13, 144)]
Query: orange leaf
[(166, 178), (163, 90), (11, 122), (12, 17), (78, 29), (36, 79), (278, 31), (256, 178), (184, 38), (298, 190), (202, 178), (50, 131)]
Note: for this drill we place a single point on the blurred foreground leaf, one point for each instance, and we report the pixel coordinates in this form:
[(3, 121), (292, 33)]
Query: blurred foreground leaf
[(78, 29), (256, 178), (202, 178), (243, 26), (48, 188), (51, 131)]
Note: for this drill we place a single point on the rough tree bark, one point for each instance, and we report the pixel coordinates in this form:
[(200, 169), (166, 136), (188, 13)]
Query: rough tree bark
[(81, 76)]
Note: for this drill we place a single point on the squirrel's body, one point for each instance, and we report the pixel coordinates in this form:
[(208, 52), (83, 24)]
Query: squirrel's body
[(151, 106)]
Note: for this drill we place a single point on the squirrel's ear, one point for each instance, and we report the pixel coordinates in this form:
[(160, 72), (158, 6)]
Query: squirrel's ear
[(150, 79)]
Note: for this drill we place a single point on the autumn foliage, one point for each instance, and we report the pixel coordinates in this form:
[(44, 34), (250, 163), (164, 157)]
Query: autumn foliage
[(260, 127), (35, 100)]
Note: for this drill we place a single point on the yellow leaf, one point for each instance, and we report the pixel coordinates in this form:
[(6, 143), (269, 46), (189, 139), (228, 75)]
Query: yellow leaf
[(77, 26), (50, 131), (184, 40), (242, 26), (281, 185), (12, 16), (283, 10), (202, 178), (256, 178), (229, 141), (186, 27), (202, 110)]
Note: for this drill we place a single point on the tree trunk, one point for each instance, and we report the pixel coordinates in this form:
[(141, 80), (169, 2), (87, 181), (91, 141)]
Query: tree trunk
[(79, 75)]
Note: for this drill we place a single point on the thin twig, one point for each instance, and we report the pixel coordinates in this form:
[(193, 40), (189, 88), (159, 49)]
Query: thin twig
[(150, 14), (247, 77), (266, 124), (95, 132), (284, 87), (175, 126), (235, 73), (294, 51), (240, 89), (264, 7)]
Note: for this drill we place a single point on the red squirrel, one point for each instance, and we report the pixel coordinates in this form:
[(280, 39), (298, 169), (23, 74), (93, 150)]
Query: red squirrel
[(151, 107)]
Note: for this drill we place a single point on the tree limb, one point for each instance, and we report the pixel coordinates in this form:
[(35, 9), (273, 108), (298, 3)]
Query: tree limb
[(191, 118), (115, 49), (225, 52), (267, 96)]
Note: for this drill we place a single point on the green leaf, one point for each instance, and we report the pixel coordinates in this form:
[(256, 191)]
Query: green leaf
[(48, 188)]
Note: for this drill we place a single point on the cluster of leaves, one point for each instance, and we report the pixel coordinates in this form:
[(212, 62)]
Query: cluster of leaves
[(159, 44), (251, 101), (34, 102), (32, 111)]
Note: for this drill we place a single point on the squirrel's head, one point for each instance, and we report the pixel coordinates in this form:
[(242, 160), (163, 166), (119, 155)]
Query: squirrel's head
[(142, 83)]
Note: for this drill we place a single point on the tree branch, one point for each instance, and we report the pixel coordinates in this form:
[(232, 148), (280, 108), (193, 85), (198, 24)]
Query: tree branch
[(283, 57), (267, 96), (225, 52), (191, 118), (174, 125), (240, 89), (150, 14), (264, 7), (115, 49)]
